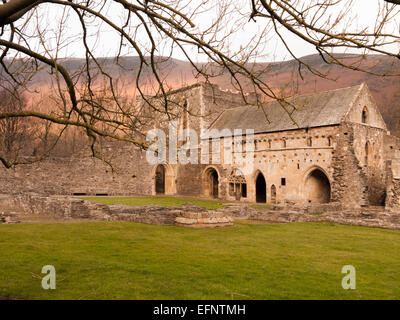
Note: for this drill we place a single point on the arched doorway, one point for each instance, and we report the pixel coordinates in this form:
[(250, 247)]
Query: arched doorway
[(237, 184), (273, 193), (160, 179), (317, 187), (261, 188), (210, 184)]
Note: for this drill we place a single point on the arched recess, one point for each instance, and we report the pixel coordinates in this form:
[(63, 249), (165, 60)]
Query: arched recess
[(163, 179), (261, 188), (317, 188), (159, 179), (237, 184), (211, 182), (273, 193)]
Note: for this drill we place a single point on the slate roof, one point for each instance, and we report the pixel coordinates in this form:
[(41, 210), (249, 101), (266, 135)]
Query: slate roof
[(315, 110)]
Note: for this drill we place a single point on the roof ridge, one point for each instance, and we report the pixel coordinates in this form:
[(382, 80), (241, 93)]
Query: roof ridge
[(292, 97), (330, 90), (319, 92)]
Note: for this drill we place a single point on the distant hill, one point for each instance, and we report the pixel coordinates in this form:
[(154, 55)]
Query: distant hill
[(177, 73), (385, 90)]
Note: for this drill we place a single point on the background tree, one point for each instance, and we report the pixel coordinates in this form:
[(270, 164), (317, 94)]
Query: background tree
[(13, 131)]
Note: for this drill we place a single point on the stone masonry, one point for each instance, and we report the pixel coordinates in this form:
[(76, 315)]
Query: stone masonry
[(333, 148), (67, 208)]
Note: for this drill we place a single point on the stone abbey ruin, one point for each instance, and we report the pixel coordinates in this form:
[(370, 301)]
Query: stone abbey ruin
[(333, 149)]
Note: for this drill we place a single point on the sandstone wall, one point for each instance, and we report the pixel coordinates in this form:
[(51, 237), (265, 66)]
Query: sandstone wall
[(359, 179), (285, 159), (130, 174), (369, 149), (65, 208), (392, 152), (365, 101)]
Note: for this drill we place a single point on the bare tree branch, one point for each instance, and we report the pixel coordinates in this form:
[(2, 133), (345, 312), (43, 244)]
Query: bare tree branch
[(89, 97)]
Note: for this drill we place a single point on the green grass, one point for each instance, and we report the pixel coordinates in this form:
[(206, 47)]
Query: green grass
[(159, 200), (122, 260), (317, 213)]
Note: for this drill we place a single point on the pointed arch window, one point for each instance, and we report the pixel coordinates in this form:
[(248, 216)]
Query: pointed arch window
[(364, 115)]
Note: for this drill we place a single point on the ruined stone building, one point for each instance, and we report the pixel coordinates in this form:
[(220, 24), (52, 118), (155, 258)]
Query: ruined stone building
[(325, 147)]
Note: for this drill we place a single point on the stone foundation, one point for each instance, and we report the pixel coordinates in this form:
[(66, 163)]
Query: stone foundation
[(64, 207), (203, 219), (188, 215), (333, 213)]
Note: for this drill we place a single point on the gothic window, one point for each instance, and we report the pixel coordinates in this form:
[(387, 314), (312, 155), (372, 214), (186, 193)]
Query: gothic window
[(364, 115)]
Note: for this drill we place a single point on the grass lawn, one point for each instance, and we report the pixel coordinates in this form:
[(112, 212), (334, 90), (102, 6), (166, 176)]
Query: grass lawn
[(123, 260), (159, 200)]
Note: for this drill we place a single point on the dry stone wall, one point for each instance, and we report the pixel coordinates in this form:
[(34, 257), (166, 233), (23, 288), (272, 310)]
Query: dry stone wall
[(337, 213), (65, 208)]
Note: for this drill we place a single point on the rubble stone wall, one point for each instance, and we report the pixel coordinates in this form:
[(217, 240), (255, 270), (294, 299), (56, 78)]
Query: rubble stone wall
[(189, 215), (64, 208), (130, 174)]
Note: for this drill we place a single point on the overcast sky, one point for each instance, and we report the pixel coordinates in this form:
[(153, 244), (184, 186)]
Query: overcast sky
[(107, 43)]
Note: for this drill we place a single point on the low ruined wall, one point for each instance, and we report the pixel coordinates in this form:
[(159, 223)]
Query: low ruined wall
[(72, 208), (192, 216), (64, 207), (333, 213)]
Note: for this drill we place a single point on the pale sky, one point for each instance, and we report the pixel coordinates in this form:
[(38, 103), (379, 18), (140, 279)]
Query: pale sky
[(107, 43)]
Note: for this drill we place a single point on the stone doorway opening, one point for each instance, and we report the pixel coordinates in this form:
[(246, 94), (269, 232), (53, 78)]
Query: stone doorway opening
[(261, 189), (317, 187), (160, 179), (211, 183)]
